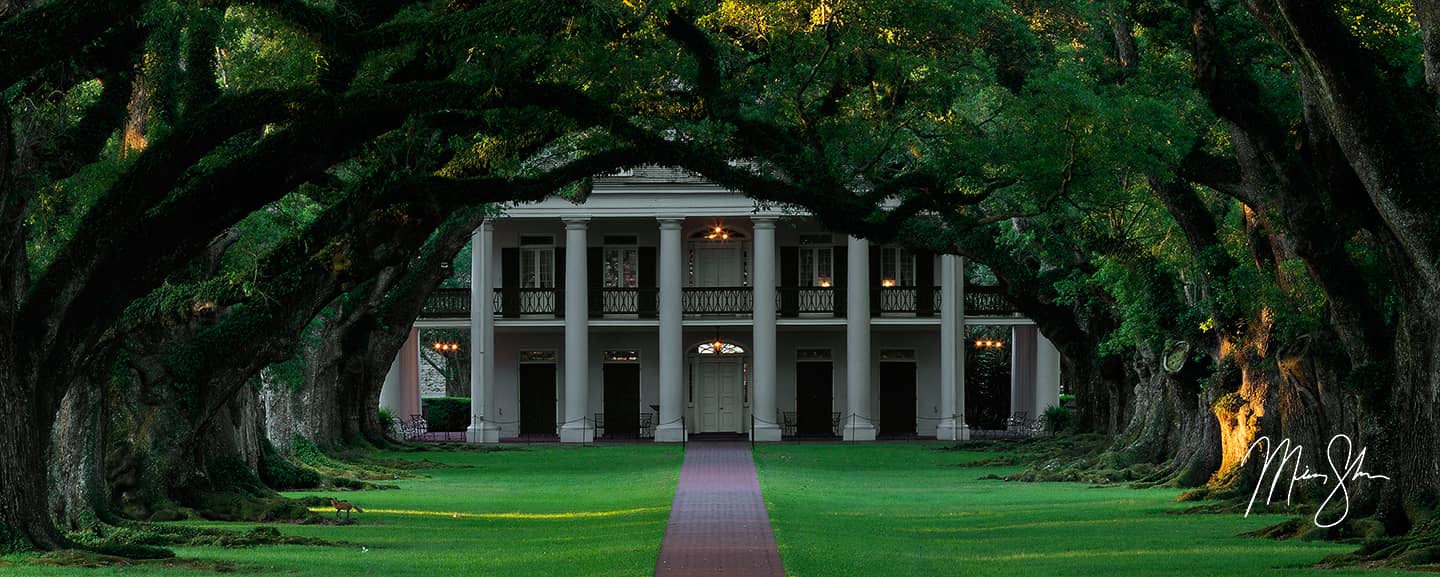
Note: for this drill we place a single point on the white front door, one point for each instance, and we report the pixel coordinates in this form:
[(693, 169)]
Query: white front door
[(719, 404), (717, 265)]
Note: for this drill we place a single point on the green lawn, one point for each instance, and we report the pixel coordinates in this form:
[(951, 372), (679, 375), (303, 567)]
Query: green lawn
[(884, 510), (540, 511), (909, 510)]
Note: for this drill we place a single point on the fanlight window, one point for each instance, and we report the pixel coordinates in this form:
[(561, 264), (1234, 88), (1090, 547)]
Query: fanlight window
[(718, 233), (719, 347)]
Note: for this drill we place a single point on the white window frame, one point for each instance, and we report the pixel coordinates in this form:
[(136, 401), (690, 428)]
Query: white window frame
[(624, 253), (533, 272), (893, 261), (817, 276)]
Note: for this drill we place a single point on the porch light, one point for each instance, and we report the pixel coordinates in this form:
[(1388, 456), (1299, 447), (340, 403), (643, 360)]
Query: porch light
[(824, 283), (446, 347), (989, 344), (717, 344), (718, 233), (887, 283)]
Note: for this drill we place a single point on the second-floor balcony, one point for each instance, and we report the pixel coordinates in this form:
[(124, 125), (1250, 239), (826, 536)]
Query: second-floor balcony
[(715, 302)]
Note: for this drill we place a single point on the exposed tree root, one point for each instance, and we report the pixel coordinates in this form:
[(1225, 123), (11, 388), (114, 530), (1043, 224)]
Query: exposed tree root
[(1420, 547)]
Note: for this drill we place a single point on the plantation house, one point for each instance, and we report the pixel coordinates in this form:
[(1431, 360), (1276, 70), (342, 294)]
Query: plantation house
[(665, 305)]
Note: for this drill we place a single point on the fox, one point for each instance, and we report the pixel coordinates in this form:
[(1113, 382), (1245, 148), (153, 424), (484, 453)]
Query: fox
[(345, 506)]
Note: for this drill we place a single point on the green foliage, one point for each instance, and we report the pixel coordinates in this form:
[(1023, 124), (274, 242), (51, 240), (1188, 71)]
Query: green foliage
[(447, 413), (11, 541), (1057, 418), (987, 378), (387, 420), (282, 475)]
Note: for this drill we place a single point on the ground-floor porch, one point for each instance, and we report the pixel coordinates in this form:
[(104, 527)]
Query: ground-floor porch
[(820, 388)]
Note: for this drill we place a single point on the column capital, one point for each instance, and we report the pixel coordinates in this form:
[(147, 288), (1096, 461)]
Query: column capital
[(576, 223), (488, 225), (763, 221), (670, 222)]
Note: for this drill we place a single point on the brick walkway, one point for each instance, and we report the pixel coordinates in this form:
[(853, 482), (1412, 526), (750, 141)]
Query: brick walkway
[(718, 524)]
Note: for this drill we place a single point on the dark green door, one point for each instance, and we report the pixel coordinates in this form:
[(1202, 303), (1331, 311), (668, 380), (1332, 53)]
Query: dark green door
[(897, 399), (537, 399), (622, 400), (814, 392)]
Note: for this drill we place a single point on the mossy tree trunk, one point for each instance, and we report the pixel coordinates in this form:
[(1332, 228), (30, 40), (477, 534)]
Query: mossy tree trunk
[(351, 349)]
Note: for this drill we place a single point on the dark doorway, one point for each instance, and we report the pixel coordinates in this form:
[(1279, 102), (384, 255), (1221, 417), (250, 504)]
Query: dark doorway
[(622, 400), (814, 397), (537, 399), (897, 399)]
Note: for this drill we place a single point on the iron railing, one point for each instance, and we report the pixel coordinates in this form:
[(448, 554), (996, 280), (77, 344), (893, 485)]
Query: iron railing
[(718, 300), (455, 303), (987, 301), (815, 300), (447, 303), (897, 299)]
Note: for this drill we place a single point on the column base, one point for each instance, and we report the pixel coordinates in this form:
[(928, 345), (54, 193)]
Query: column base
[(858, 432), (672, 433), (765, 433), (577, 433), (484, 433), (949, 430)]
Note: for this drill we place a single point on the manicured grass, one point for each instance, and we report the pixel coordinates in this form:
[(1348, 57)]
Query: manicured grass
[(898, 510), (537, 511)]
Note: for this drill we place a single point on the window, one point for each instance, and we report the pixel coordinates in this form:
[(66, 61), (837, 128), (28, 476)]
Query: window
[(897, 266), (537, 267), (897, 354), (719, 347), (538, 356), (622, 265), (816, 266)]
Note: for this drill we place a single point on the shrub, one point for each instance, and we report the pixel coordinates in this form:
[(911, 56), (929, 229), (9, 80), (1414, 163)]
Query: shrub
[(447, 414), (1057, 418), (280, 474), (387, 420)]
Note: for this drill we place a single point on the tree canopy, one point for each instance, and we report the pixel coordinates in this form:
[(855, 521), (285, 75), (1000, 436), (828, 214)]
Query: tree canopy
[(196, 193)]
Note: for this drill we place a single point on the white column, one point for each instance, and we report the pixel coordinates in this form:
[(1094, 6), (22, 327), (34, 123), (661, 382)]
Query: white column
[(952, 425), (1047, 375), (392, 393), (767, 425), (482, 326), (1022, 370), (856, 421), (577, 427), (410, 376), (672, 346)]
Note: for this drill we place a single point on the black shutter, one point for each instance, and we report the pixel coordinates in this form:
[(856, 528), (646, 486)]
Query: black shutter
[(842, 277), (645, 299), (789, 281), (510, 282), (924, 284), (595, 270), (559, 282), (876, 276)]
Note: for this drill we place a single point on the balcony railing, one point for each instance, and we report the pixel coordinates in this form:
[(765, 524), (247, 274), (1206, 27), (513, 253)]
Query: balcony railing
[(525, 302), (987, 301), (447, 303), (719, 300), (897, 299), (455, 303), (625, 301), (815, 300)]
